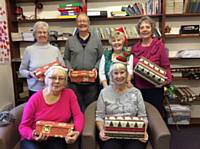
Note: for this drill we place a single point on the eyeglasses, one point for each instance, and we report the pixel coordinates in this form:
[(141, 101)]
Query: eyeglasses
[(54, 78)]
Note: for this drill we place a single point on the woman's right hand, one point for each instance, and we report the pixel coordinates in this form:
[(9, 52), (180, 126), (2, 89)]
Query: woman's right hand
[(32, 74), (102, 135), (39, 137)]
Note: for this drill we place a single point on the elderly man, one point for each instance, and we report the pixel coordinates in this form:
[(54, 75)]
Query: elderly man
[(83, 52)]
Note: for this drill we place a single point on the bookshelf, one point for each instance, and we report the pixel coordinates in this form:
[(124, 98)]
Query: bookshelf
[(173, 42)]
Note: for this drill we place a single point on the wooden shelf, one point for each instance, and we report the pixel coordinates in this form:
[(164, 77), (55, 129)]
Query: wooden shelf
[(184, 15), (183, 36), (91, 18), (34, 1)]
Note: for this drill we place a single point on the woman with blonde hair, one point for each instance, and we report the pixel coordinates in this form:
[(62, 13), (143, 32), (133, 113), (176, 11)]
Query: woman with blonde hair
[(117, 40), (118, 99)]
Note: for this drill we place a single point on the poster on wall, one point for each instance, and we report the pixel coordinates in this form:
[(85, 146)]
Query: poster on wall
[(4, 37)]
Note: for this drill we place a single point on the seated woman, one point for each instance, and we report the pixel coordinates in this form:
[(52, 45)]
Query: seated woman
[(119, 51), (53, 103), (120, 100)]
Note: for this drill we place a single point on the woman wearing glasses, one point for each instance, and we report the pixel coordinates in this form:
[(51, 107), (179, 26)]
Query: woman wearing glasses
[(54, 103)]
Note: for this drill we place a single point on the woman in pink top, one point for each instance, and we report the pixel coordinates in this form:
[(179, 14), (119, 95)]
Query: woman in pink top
[(53, 103), (154, 50)]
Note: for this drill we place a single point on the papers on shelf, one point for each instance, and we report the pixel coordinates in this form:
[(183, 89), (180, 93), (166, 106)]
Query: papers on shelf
[(174, 31)]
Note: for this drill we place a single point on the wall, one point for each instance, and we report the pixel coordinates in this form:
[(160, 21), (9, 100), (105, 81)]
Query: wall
[(6, 82), (6, 86)]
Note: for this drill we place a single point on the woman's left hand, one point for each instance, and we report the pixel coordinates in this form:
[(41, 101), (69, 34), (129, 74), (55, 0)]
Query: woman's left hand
[(72, 137), (145, 139)]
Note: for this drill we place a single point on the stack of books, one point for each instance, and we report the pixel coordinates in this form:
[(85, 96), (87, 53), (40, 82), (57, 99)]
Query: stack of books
[(68, 11), (181, 114)]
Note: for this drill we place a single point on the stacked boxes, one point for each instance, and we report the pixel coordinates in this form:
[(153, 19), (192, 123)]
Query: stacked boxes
[(181, 114)]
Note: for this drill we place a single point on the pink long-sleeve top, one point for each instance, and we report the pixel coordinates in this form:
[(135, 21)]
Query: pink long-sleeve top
[(63, 110), (155, 52)]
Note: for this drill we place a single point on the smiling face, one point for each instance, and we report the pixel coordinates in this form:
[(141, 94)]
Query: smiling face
[(119, 77), (83, 23), (118, 74), (117, 41), (56, 80), (41, 34), (117, 44), (145, 30)]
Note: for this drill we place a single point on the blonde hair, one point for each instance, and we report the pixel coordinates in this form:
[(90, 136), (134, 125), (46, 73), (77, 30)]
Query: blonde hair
[(116, 35), (117, 66)]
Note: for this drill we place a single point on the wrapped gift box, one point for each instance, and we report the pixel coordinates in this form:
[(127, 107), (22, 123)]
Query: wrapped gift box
[(40, 72), (79, 76), (150, 71), (126, 127), (54, 129), (181, 114)]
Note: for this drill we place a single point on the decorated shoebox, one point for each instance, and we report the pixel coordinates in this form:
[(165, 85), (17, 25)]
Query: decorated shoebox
[(53, 129), (40, 71), (181, 114), (150, 71), (79, 76), (126, 127)]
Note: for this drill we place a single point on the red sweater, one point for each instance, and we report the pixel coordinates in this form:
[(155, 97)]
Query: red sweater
[(156, 53), (63, 110)]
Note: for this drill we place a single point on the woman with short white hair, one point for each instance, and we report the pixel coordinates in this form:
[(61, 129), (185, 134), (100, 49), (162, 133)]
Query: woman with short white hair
[(37, 55), (54, 103)]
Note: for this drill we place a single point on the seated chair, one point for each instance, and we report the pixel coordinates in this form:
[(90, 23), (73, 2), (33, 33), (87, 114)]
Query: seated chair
[(159, 135), (9, 136)]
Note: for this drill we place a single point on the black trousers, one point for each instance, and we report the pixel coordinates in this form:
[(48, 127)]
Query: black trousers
[(52, 143), (122, 144), (154, 96), (86, 93)]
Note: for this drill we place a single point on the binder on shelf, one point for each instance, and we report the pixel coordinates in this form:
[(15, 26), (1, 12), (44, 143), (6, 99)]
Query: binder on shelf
[(69, 5)]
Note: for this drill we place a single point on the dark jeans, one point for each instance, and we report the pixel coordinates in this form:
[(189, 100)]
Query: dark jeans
[(154, 96), (51, 143), (86, 93), (123, 144)]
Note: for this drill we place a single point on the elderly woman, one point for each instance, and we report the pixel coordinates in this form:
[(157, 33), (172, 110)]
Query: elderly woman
[(154, 50), (117, 40), (54, 103), (38, 55), (119, 100)]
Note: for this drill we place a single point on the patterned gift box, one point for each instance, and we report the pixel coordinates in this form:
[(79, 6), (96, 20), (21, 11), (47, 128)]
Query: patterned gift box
[(126, 127), (150, 71), (53, 129), (79, 76), (40, 72)]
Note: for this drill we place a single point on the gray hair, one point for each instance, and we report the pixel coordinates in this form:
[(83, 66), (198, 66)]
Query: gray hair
[(53, 69), (146, 19), (39, 24)]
